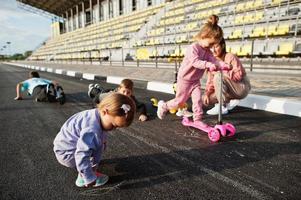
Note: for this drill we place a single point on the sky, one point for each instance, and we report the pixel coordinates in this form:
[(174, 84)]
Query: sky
[(25, 30)]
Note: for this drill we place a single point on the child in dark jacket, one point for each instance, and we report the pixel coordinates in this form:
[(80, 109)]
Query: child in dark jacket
[(97, 93)]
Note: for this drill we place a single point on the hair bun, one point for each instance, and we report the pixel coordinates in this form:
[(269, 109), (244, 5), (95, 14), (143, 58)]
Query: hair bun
[(213, 19)]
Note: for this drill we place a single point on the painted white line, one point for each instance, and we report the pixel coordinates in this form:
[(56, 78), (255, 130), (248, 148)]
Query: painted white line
[(160, 87), (272, 104), (43, 69), (49, 70), (37, 68), (114, 79), (88, 76), (71, 73), (59, 71)]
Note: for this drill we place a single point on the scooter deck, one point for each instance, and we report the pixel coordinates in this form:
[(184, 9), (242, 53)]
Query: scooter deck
[(190, 123)]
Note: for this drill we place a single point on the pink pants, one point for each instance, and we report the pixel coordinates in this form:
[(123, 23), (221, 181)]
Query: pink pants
[(183, 92)]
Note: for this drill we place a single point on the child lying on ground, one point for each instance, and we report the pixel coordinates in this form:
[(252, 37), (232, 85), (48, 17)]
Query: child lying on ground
[(97, 93), (42, 90)]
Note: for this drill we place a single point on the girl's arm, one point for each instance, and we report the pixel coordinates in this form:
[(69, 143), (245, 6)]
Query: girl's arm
[(141, 109), (18, 91), (193, 52), (237, 72)]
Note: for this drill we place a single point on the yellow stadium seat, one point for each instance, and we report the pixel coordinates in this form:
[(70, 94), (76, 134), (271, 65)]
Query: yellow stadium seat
[(245, 50), (282, 29), (248, 18), (191, 26), (272, 30), (249, 5), (276, 2), (182, 38), (258, 4), (285, 48), (156, 41), (142, 54), (240, 7), (235, 49), (228, 49), (258, 32), (258, 16), (239, 19), (154, 53), (236, 34)]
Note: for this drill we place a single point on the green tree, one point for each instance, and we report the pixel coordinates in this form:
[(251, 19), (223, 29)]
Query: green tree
[(27, 54)]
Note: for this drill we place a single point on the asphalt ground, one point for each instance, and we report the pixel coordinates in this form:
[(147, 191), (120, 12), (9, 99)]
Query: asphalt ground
[(157, 159)]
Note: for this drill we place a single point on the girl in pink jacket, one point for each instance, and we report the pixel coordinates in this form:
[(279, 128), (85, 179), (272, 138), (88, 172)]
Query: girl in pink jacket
[(198, 58), (236, 84)]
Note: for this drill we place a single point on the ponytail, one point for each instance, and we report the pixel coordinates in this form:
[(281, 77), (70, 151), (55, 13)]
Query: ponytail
[(211, 29)]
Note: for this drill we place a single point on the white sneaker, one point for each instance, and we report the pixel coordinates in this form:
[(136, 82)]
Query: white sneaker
[(215, 110), (90, 88), (161, 110), (233, 103), (184, 113)]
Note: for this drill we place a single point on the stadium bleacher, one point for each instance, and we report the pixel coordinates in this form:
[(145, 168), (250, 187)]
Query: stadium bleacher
[(264, 28)]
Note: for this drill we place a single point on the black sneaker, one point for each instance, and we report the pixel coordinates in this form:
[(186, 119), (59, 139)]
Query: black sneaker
[(62, 98)]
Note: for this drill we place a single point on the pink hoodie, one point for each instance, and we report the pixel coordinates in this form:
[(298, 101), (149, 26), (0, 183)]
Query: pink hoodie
[(236, 73), (196, 60)]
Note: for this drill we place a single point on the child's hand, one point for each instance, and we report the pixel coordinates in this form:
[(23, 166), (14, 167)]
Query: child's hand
[(18, 98), (142, 118), (206, 100), (224, 66), (211, 67)]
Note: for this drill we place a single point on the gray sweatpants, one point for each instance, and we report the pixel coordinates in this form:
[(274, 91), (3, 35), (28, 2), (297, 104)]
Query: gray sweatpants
[(231, 89)]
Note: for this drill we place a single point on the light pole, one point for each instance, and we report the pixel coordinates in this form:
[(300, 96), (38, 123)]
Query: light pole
[(8, 49), (4, 47)]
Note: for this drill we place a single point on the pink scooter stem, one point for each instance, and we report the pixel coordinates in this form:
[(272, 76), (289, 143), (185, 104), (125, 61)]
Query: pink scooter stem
[(224, 129)]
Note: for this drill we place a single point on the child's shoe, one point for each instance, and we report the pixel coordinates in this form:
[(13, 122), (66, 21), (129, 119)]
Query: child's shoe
[(161, 110), (100, 180), (97, 86), (80, 181), (93, 91), (233, 103), (215, 110), (90, 87), (184, 113), (62, 98), (60, 95)]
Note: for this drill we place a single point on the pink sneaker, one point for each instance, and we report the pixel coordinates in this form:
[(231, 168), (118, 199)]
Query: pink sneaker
[(200, 124), (161, 110)]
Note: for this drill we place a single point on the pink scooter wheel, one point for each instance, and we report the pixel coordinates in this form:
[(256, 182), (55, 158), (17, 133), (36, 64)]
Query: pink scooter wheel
[(230, 129), (214, 135)]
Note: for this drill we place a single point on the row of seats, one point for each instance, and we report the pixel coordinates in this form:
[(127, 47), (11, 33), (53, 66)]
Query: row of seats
[(109, 34), (285, 47), (239, 20)]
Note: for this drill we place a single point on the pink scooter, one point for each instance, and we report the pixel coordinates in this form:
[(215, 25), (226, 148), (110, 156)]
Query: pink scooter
[(220, 129)]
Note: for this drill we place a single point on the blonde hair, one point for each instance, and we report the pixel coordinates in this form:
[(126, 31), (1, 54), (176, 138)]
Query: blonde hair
[(210, 30), (126, 83), (115, 103)]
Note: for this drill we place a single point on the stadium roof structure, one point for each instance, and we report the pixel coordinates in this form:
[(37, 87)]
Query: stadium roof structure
[(53, 7)]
